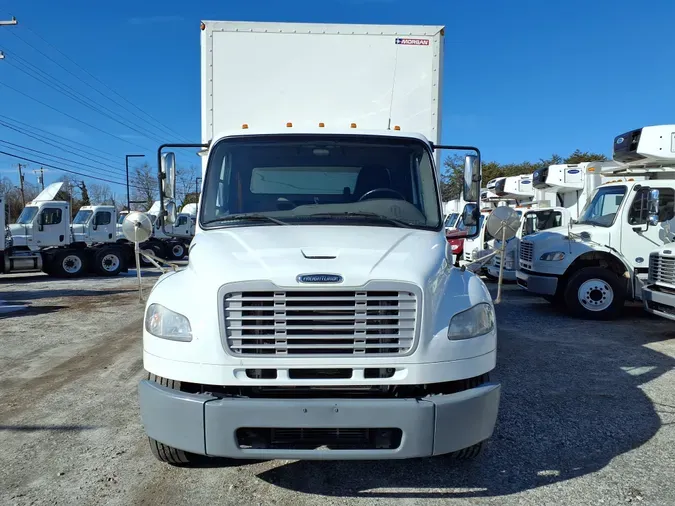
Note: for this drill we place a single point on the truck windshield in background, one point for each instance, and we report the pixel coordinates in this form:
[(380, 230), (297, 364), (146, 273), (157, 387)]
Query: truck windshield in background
[(602, 208), (27, 215), (316, 179), (82, 217)]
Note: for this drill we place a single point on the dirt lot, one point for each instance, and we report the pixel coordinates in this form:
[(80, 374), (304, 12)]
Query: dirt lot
[(586, 416)]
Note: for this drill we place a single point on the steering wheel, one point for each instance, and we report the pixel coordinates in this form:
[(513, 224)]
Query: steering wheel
[(386, 190)]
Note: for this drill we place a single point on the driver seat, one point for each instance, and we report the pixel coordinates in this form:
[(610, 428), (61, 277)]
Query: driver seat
[(371, 177)]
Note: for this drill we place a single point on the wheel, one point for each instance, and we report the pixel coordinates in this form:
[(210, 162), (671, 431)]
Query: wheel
[(67, 264), (595, 293), (468, 453), (177, 251), (171, 455), (108, 262), (166, 453)]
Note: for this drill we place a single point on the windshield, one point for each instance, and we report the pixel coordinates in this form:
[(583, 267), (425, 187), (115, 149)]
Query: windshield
[(27, 215), (310, 179), (451, 220), (82, 217), (602, 208), (536, 221)]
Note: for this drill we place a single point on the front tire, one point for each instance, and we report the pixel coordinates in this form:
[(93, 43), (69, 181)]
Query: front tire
[(595, 293), (469, 453), (171, 455)]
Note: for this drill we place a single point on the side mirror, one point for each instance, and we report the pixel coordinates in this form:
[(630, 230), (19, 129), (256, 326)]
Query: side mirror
[(168, 171), (41, 222), (171, 213), (471, 190), (653, 207), (470, 215)]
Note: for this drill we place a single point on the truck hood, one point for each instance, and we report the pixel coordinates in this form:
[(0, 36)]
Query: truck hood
[(552, 236), (281, 253)]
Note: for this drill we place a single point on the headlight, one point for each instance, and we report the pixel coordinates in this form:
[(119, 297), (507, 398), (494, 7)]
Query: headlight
[(476, 321), (164, 323), (553, 256)]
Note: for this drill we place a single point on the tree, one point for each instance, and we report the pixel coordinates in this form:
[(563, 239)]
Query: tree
[(100, 194), (186, 182), (84, 201), (579, 156), (144, 186), (452, 176)]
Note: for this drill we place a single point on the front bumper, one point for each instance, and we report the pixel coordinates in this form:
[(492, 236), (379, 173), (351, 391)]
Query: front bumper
[(658, 303), (207, 425), (507, 275), (542, 285)]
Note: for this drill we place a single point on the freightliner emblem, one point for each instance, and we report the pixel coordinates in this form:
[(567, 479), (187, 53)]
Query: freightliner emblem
[(319, 278)]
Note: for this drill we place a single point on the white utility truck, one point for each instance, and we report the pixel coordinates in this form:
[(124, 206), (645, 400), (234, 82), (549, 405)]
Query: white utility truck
[(601, 259), (43, 239), (325, 320)]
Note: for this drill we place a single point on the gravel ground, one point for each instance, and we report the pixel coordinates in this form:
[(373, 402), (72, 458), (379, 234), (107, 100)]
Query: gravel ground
[(586, 416)]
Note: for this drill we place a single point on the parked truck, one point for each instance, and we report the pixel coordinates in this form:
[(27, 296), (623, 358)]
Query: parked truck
[(325, 320), (43, 239), (601, 259), (658, 294)]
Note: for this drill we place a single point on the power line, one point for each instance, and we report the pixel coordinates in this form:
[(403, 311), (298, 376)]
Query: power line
[(105, 165), (73, 117), (161, 125), (52, 156), (31, 127), (62, 88), (67, 170)]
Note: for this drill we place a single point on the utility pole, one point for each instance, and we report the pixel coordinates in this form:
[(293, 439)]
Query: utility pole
[(23, 195), (128, 192), (41, 177), (198, 180)]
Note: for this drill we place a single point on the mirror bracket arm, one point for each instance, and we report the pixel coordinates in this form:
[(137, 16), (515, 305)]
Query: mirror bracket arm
[(160, 176)]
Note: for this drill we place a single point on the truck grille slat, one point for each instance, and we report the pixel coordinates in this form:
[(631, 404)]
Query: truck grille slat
[(526, 251), (662, 269), (334, 323)]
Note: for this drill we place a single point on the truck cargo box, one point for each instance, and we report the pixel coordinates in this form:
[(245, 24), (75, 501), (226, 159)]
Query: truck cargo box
[(266, 75)]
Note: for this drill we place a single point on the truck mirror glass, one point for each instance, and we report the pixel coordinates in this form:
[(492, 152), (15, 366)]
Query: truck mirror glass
[(41, 222), (171, 213), (168, 170), (470, 215), (471, 189), (653, 219)]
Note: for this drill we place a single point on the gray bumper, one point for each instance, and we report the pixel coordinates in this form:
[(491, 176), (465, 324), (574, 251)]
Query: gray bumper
[(658, 303), (207, 425), (507, 275), (542, 285)]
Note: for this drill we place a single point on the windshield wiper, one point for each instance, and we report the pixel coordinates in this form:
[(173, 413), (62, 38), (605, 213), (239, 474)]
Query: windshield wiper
[(375, 216), (246, 217)]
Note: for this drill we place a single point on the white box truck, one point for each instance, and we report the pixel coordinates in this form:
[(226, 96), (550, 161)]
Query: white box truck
[(602, 259), (324, 318)]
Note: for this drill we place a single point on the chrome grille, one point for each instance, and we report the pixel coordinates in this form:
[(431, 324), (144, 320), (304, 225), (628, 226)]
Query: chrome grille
[(526, 251), (662, 269), (309, 323)]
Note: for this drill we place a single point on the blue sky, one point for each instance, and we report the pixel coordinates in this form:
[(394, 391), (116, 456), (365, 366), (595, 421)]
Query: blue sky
[(523, 79)]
